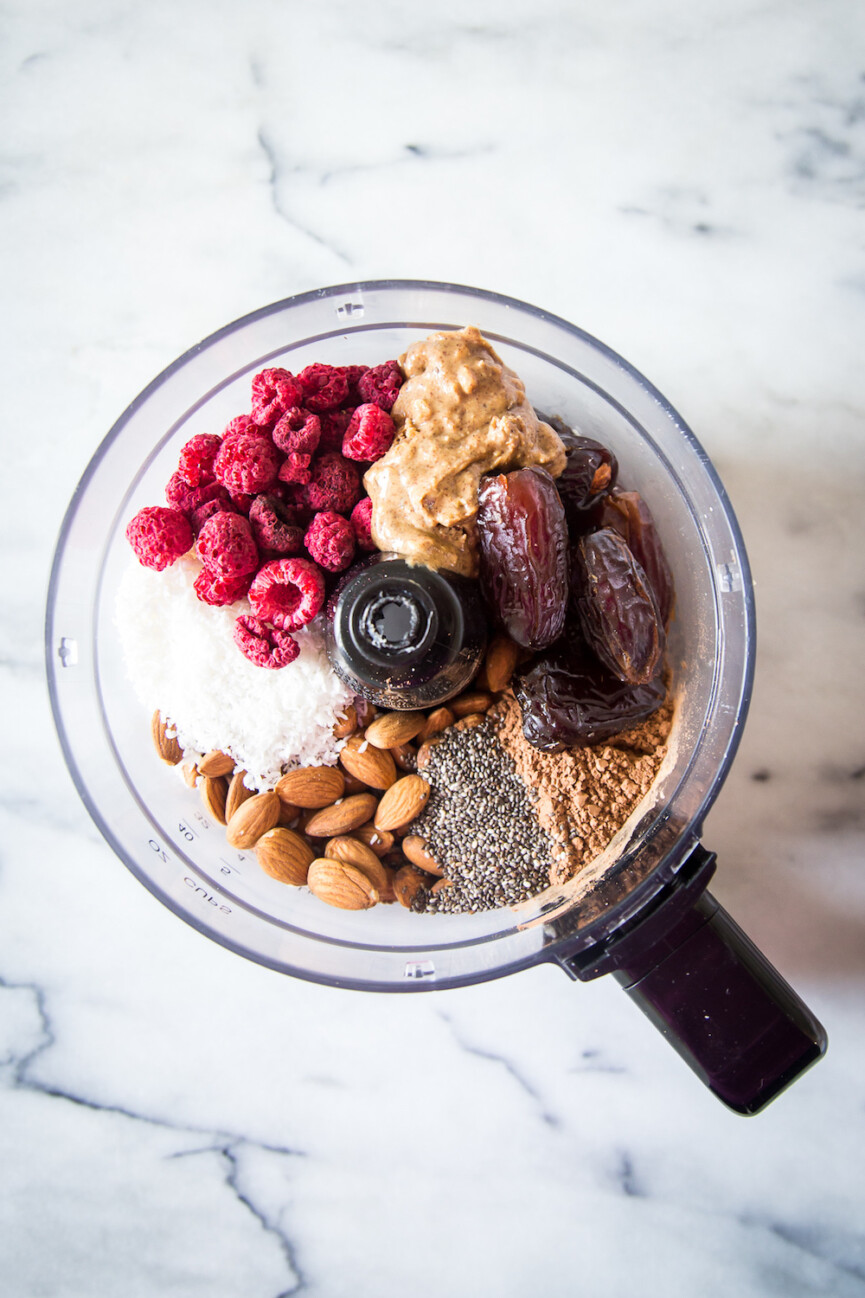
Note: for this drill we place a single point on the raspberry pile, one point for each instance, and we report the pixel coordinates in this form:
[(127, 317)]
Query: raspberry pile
[(275, 505)]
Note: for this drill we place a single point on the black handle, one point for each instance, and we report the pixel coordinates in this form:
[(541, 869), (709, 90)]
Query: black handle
[(722, 1005)]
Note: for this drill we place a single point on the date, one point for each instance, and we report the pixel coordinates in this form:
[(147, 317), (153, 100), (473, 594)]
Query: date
[(523, 539), (630, 516), (616, 607), (569, 699), (589, 474)]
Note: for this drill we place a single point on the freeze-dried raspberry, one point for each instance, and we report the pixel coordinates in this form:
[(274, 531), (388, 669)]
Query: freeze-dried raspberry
[(335, 484), (287, 592), (361, 521), (324, 386), (264, 645), (369, 434), (330, 541), (275, 526), (297, 430), (159, 536), (241, 424), (211, 588), (273, 392), (226, 545), (353, 374), (187, 499), (381, 384), (196, 459), (333, 426), (247, 462), (199, 516), (295, 468), (241, 501), (292, 495)]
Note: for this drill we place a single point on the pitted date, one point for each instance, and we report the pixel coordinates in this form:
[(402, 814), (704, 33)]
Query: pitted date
[(524, 555), (590, 472), (569, 700), (629, 515), (616, 607)]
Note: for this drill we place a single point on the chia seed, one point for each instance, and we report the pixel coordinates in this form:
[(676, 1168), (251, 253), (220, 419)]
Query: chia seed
[(480, 825)]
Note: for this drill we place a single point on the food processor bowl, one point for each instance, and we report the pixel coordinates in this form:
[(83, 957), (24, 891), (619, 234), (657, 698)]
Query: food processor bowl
[(653, 875)]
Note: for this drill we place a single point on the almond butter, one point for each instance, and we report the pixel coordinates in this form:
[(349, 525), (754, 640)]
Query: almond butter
[(165, 744), (373, 766), (415, 848), (343, 816), (214, 790), (473, 701), (341, 885), (346, 724), (402, 802), (408, 884), (252, 818), (500, 661), (237, 794), (380, 840), (437, 721), (312, 786), (216, 762), (285, 856), (393, 728)]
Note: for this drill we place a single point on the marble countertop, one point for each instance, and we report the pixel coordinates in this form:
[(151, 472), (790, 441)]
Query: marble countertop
[(685, 183)]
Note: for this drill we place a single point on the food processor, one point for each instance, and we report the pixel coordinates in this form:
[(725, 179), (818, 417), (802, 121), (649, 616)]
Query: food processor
[(640, 910)]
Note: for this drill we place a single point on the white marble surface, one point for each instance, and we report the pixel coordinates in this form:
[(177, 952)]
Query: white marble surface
[(685, 182)]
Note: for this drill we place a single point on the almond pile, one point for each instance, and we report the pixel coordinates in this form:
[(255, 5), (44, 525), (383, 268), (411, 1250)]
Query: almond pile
[(344, 831)]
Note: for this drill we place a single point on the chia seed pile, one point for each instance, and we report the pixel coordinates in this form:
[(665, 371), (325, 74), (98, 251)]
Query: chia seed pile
[(480, 824)]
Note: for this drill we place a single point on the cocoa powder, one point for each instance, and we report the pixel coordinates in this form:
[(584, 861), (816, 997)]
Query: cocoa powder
[(583, 796)]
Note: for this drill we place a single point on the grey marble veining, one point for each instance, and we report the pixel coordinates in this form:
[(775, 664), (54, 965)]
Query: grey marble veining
[(687, 185)]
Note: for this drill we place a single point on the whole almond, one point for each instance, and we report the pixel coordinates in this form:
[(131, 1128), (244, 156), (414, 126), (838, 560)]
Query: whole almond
[(416, 850), (343, 817), (237, 794), (216, 762), (500, 661), (365, 711), (341, 885), (469, 722), (354, 785), (423, 753), (380, 840), (165, 744), (373, 766), (346, 724), (393, 728), (353, 852), (288, 812), (252, 818), (440, 885), (405, 756), (285, 856), (387, 894), (190, 773), (214, 790), (437, 721), (402, 802), (408, 884), (474, 701), (312, 786)]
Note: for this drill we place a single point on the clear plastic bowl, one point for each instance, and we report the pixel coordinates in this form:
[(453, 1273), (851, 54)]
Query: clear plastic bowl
[(157, 826)]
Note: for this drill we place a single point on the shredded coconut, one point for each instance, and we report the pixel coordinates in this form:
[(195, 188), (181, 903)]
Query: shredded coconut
[(182, 660)]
